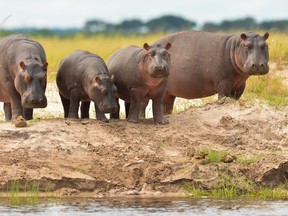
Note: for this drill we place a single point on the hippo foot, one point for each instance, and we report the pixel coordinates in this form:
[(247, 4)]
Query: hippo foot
[(162, 122), (134, 121), (104, 119)]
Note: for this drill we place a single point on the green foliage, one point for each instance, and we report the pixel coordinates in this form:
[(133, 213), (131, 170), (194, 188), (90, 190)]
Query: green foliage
[(228, 188), (215, 156)]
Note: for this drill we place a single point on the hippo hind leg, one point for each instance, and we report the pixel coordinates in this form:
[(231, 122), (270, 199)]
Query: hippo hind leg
[(85, 109), (7, 111), (28, 114), (168, 104), (66, 104)]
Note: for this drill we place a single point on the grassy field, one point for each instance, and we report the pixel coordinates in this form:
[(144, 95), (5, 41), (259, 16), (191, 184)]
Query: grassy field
[(271, 87)]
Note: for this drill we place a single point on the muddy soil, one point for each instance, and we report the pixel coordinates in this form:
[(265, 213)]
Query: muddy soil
[(74, 157)]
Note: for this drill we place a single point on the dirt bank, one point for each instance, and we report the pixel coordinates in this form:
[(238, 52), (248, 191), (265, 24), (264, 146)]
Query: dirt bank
[(119, 158)]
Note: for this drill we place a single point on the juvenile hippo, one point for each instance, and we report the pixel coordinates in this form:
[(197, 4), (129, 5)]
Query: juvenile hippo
[(203, 64), (83, 76), (141, 74), (23, 76)]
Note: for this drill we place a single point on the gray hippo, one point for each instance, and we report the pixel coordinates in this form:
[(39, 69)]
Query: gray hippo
[(141, 74), (23, 76), (203, 64), (83, 76)]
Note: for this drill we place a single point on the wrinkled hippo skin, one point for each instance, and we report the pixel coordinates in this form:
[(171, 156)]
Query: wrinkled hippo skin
[(83, 77), (203, 64), (141, 73), (23, 76)]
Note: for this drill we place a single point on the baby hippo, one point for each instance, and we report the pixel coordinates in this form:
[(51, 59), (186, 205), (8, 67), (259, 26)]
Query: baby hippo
[(83, 77), (141, 74)]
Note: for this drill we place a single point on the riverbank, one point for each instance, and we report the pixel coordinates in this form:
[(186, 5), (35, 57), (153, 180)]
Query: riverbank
[(202, 147)]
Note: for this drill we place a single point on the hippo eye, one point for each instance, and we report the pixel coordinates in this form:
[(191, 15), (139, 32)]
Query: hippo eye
[(248, 46), (164, 53), (27, 78), (263, 46)]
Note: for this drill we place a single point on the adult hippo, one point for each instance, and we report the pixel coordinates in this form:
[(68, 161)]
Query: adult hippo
[(23, 76), (141, 74), (83, 76), (203, 64)]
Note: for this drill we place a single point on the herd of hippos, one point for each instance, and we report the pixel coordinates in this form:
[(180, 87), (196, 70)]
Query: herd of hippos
[(187, 64)]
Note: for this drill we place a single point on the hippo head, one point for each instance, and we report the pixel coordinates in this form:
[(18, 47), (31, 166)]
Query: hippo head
[(103, 93), (251, 54), (30, 82), (157, 59)]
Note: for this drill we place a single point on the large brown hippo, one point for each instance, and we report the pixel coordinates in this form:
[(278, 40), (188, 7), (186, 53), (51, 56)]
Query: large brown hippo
[(83, 76), (23, 76), (203, 64), (141, 74)]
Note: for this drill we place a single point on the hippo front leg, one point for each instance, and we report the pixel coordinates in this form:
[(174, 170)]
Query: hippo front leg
[(15, 101), (7, 111), (28, 113), (135, 106), (157, 106), (100, 115), (74, 104), (224, 89)]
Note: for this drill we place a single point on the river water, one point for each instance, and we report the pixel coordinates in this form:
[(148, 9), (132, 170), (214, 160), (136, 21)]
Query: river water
[(164, 207)]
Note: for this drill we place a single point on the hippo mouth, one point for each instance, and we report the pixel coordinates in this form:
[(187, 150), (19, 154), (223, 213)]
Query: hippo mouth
[(159, 73), (108, 109), (33, 103), (256, 70)]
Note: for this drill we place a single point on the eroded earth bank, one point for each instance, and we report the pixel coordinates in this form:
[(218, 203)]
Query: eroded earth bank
[(74, 157)]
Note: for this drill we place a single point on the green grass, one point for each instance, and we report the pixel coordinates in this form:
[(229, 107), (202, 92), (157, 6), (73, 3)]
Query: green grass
[(18, 194), (228, 188)]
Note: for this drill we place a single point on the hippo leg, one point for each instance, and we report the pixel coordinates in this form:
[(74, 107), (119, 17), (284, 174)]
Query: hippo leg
[(8, 111), (144, 104), (85, 109), (66, 104), (74, 103), (100, 115), (237, 94), (135, 106), (28, 114), (15, 101), (157, 107), (127, 108), (116, 115), (168, 104), (224, 89)]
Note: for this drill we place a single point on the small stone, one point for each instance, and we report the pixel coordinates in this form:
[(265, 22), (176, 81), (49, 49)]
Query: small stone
[(20, 122)]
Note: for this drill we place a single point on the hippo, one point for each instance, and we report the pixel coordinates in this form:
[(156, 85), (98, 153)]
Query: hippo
[(141, 73), (83, 77), (204, 64), (23, 76)]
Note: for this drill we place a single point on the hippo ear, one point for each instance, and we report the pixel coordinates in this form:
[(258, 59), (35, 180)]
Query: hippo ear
[(45, 65), (243, 36), (22, 65), (168, 46), (146, 46), (266, 35)]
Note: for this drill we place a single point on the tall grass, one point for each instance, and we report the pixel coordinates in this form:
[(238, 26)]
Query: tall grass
[(103, 45)]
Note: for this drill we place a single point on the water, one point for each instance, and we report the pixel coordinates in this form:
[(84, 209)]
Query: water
[(164, 207)]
